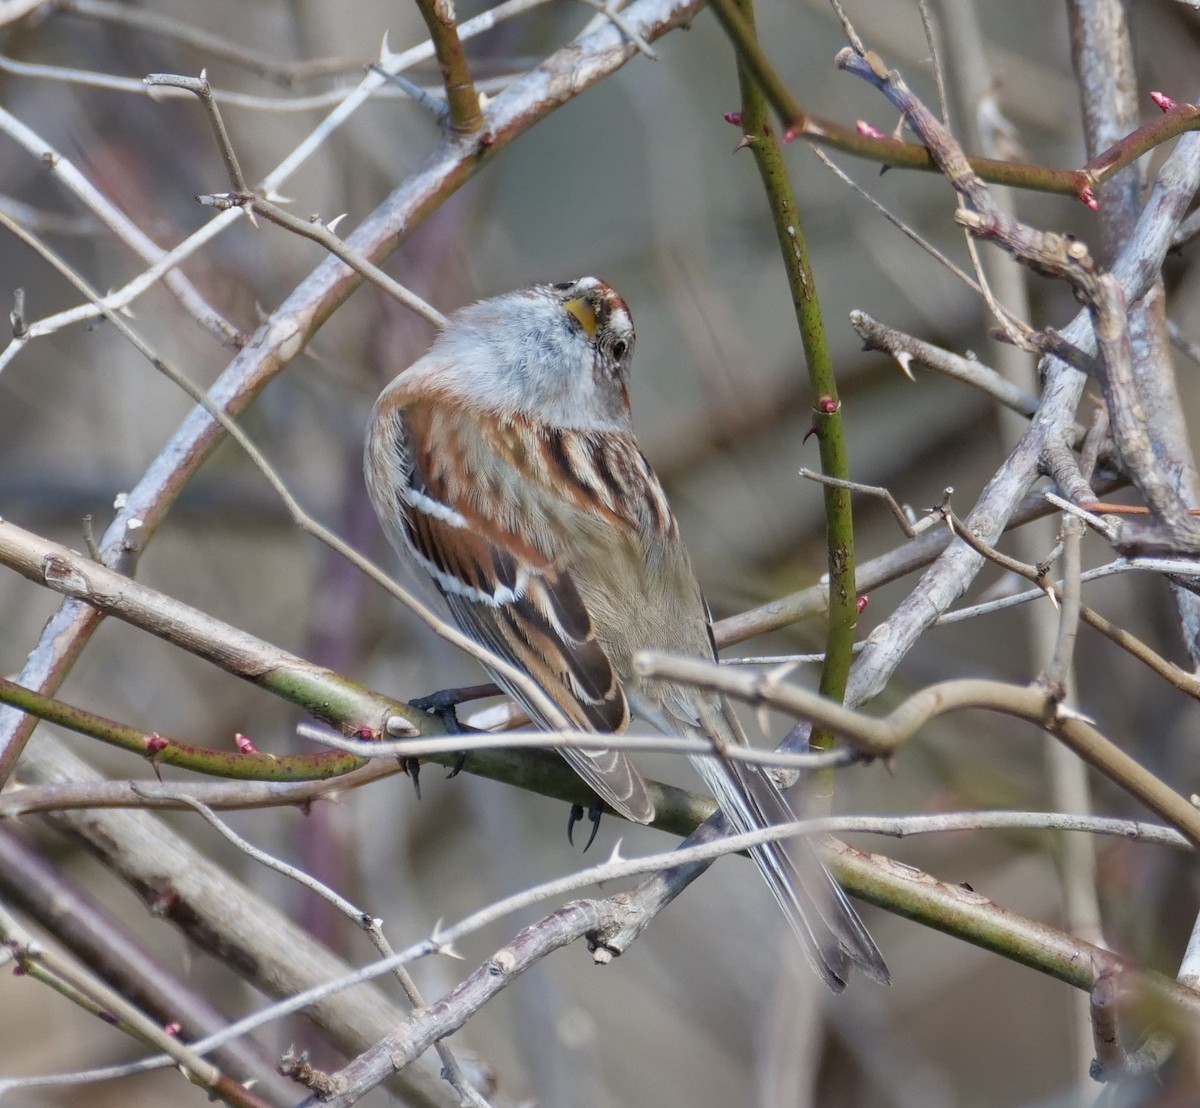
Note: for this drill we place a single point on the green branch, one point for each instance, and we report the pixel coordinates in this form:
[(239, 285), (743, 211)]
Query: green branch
[(828, 426)]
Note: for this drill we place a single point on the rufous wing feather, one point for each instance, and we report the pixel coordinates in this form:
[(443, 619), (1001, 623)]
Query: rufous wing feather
[(512, 594)]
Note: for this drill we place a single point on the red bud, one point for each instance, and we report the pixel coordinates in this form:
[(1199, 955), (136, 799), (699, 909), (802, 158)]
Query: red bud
[(155, 743), (244, 745)]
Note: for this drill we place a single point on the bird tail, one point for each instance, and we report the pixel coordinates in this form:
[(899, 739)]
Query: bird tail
[(831, 933)]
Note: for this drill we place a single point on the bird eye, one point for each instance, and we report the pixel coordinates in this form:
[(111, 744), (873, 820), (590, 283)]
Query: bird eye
[(619, 349)]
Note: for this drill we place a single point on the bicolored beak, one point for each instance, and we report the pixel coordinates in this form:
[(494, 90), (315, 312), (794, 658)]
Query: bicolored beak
[(583, 312)]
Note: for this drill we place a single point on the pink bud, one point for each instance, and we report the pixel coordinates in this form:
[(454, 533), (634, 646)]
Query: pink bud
[(155, 743), (861, 604), (173, 1028), (244, 745), (733, 117), (867, 129), (827, 405), (1089, 198), (1164, 102)]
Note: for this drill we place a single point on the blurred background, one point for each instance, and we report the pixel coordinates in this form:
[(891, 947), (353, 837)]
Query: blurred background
[(634, 181)]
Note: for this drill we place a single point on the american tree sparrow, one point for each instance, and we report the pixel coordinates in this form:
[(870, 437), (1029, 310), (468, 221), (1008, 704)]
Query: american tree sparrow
[(504, 464)]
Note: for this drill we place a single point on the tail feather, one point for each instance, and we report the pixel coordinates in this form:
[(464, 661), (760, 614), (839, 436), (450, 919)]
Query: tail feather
[(832, 935)]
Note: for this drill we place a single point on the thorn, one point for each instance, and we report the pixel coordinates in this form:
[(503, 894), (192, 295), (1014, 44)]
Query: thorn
[(397, 727), (331, 226), (1062, 712), (745, 142), (904, 361), (615, 854), (439, 945), (385, 51)]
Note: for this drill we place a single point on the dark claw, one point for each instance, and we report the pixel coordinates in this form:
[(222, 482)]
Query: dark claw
[(459, 762), (413, 768), (594, 814), (575, 816)]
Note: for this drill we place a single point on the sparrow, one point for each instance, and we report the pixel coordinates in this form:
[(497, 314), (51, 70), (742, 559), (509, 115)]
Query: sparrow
[(503, 463)]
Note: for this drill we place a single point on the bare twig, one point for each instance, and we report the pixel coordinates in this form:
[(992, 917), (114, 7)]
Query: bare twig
[(356, 915), (118, 953), (886, 735), (47, 965), (282, 337), (906, 349)]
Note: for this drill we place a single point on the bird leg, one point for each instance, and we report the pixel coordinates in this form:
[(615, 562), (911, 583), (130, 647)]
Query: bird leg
[(444, 704)]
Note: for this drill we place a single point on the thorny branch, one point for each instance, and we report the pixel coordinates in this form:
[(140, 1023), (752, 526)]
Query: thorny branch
[(1101, 343)]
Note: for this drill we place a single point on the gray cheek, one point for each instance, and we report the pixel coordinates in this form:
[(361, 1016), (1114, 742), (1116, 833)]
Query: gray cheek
[(608, 387)]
